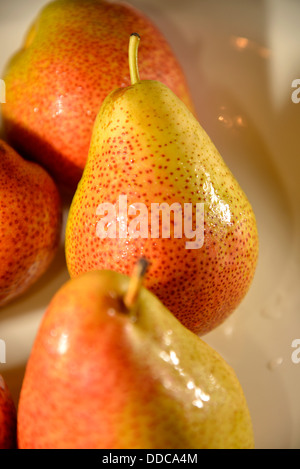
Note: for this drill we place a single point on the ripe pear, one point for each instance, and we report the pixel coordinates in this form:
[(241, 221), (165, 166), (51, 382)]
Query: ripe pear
[(73, 56), (112, 368), (8, 418), (147, 145), (30, 223)]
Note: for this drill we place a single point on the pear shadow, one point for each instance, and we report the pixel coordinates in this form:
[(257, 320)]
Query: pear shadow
[(39, 295), (15, 135), (14, 377)]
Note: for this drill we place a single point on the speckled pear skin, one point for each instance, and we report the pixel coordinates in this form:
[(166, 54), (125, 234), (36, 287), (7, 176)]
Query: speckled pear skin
[(30, 223), (8, 418), (148, 145), (102, 377), (74, 55)]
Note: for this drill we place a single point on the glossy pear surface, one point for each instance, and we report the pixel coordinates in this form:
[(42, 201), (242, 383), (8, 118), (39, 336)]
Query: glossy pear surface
[(101, 376), (147, 145), (30, 223), (8, 418), (73, 56)]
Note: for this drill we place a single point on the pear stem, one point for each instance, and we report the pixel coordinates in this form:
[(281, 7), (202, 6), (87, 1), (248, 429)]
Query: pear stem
[(133, 58), (136, 283)]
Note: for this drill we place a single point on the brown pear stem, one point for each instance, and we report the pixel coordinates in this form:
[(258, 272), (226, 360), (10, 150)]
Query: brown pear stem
[(136, 283), (133, 58)]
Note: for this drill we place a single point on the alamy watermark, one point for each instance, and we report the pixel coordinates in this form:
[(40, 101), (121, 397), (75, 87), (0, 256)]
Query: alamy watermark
[(296, 93), (2, 92), (114, 222), (296, 353), (2, 351)]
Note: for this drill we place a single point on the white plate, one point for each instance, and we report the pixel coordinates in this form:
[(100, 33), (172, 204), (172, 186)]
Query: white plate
[(241, 58)]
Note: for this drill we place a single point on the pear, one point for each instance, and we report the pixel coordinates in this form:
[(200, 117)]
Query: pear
[(112, 368), (8, 418), (148, 147), (73, 55), (30, 223)]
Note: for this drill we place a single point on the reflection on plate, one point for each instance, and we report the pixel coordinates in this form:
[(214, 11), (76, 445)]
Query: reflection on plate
[(241, 59)]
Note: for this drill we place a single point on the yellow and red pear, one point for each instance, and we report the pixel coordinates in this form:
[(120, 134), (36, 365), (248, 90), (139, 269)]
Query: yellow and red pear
[(30, 223), (112, 368), (8, 418), (147, 146), (72, 57)]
